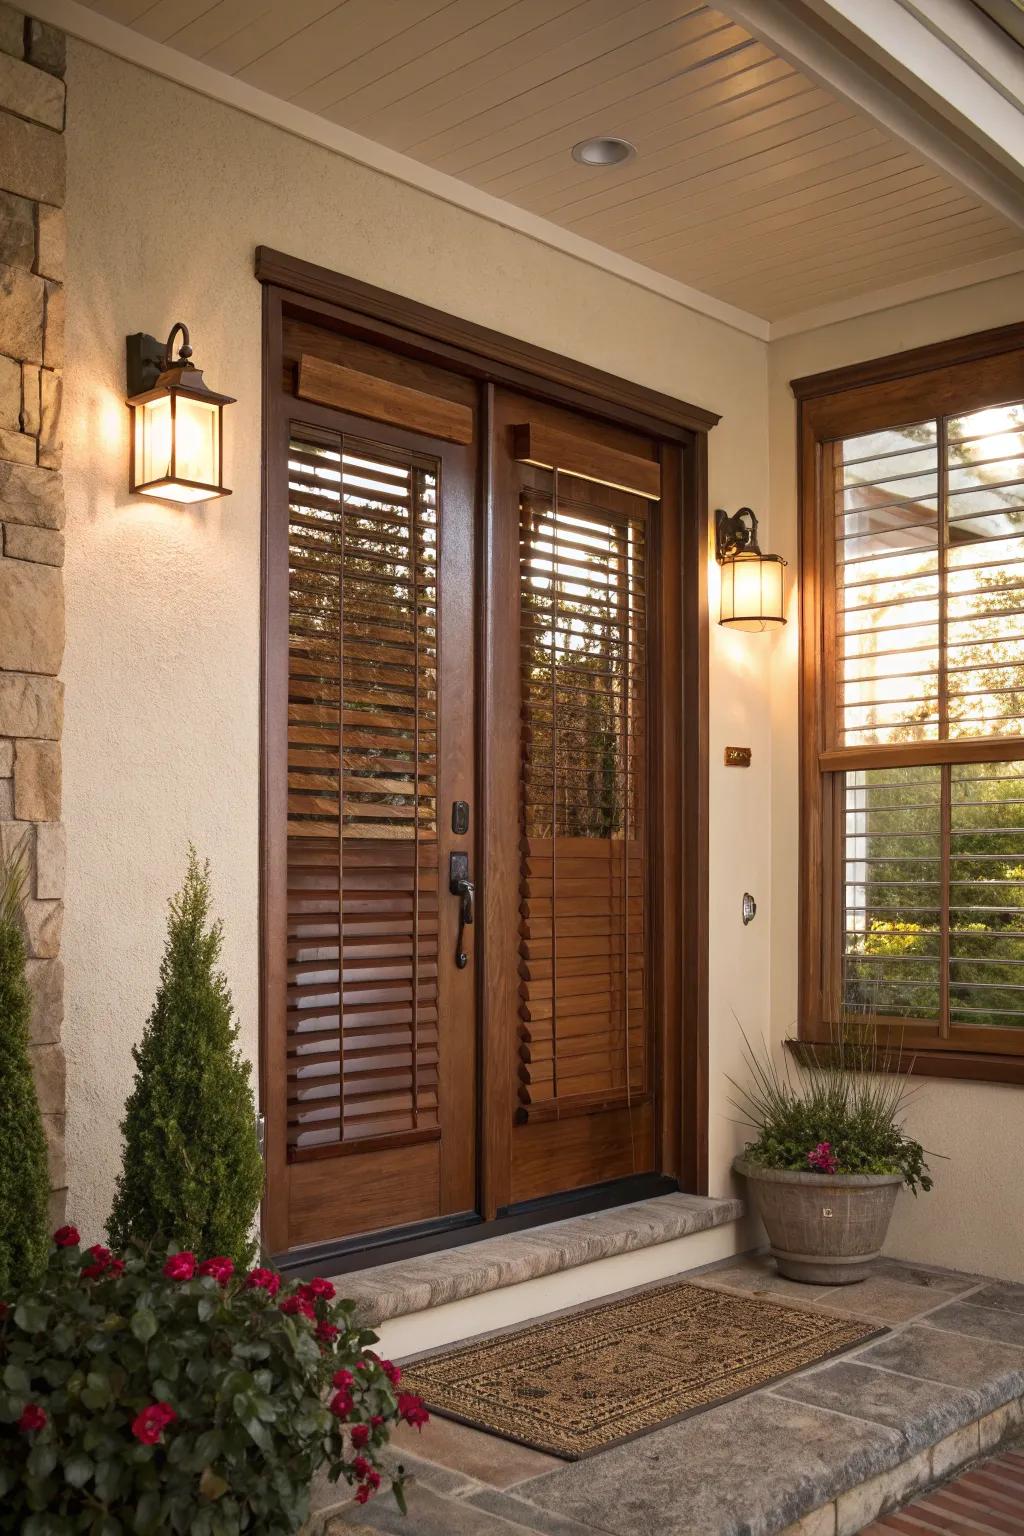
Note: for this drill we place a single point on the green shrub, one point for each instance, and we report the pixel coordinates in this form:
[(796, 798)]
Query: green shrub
[(192, 1174), (151, 1394), (839, 1111), (24, 1180)]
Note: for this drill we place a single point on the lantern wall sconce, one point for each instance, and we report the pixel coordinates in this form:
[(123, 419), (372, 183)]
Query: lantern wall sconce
[(753, 586), (177, 451)]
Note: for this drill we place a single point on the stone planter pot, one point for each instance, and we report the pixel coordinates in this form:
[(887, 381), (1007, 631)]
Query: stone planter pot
[(825, 1229)]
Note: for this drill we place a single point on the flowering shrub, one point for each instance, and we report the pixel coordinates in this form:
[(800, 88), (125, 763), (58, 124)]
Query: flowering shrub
[(822, 1159), (151, 1394)]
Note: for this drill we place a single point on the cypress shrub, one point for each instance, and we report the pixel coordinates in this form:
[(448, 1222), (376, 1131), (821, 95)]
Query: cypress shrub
[(24, 1180), (192, 1174)]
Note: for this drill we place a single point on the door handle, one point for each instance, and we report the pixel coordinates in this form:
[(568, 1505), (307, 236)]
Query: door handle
[(460, 885)]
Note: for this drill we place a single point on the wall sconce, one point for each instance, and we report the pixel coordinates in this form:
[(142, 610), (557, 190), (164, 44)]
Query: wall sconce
[(177, 426), (753, 587)]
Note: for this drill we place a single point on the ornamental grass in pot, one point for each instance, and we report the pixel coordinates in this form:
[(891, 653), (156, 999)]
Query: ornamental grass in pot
[(829, 1155)]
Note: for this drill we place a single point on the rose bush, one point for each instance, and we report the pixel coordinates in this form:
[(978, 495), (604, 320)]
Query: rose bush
[(151, 1393)]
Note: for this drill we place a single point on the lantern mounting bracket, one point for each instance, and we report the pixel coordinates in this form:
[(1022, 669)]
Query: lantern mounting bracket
[(147, 359), (735, 534)]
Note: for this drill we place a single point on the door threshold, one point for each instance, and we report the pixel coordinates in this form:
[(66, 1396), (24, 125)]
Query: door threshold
[(391, 1291), (397, 1244)]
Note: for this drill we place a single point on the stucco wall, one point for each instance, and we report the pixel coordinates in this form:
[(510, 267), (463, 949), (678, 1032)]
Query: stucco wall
[(168, 195), (974, 1218)]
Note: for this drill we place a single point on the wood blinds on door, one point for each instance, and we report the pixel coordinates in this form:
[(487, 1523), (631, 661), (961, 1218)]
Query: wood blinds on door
[(583, 1037), (362, 765)]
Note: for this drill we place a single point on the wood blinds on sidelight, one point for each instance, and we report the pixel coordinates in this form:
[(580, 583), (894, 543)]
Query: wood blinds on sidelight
[(582, 998), (362, 777)]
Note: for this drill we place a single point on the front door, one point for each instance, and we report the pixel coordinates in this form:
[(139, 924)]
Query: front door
[(423, 1073)]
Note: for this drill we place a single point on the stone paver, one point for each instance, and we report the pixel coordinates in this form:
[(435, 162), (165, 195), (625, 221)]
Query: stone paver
[(826, 1452)]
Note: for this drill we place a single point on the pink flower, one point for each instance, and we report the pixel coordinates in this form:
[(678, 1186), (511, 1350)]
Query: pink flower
[(66, 1237), (263, 1280), (149, 1425), (221, 1269), (360, 1436), (823, 1159), (32, 1418), (180, 1266), (411, 1409)]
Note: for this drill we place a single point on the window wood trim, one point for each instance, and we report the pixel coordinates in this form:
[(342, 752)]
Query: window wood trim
[(963, 374)]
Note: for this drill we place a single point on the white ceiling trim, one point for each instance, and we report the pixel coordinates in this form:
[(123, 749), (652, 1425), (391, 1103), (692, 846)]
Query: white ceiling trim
[(168, 62), (800, 35), (902, 293)]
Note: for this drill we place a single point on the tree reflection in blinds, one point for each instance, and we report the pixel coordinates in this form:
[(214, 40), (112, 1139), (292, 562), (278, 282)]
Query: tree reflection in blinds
[(362, 785), (582, 999)]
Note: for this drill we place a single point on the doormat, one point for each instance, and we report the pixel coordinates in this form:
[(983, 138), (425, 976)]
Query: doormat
[(582, 1383)]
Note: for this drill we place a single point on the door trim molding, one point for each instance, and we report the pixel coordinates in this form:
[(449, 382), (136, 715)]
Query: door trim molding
[(483, 353), (351, 307)]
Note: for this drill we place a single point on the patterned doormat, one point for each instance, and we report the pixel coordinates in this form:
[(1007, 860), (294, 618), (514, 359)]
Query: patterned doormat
[(582, 1383)]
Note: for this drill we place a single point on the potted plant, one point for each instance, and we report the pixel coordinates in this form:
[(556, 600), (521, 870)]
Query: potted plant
[(829, 1156), (156, 1393)]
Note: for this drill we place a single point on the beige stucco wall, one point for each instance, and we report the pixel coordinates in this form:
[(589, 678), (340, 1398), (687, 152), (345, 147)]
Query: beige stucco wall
[(168, 195), (974, 1218)]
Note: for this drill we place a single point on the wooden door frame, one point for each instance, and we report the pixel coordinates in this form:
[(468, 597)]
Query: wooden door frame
[(680, 611)]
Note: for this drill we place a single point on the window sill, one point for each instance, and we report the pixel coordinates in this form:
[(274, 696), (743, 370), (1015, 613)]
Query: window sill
[(967, 1066)]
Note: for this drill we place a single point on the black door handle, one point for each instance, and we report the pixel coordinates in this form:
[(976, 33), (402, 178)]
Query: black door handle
[(460, 885)]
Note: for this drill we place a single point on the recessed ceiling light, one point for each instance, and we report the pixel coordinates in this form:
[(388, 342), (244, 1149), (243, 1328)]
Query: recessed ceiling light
[(603, 151)]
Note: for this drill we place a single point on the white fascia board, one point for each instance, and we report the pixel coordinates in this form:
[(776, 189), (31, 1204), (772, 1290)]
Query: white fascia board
[(819, 40), (114, 38), (953, 57)]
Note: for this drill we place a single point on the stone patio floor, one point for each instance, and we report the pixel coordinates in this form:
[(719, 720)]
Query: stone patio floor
[(823, 1453)]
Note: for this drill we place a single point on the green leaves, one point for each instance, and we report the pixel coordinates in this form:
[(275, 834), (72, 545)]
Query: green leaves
[(143, 1324), (248, 1386)]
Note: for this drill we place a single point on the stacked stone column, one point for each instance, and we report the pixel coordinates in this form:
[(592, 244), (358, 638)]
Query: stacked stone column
[(32, 250)]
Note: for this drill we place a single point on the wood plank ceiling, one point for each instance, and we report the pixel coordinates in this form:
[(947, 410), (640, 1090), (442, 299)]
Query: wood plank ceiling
[(751, 182)]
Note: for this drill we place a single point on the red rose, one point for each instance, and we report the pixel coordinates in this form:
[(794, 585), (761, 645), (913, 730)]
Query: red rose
[(411, 1409), (376, 1420), (221, 1269), (263, 1280), (361, 1467), (364, 1493), (32, 1418), (341, 1403), (328, 1332), (66, 1237), (116, 1268), (150, 1424), (298, 1306), (392, 1372), (180, 1266), (343, 1379), (360, 1436), (101, 1261), (322, 1288)]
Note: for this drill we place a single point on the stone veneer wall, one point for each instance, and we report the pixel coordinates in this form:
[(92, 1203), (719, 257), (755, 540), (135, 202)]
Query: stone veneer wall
[(32, 248)]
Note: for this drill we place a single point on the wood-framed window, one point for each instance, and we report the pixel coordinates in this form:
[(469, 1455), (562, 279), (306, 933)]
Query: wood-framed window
[(912, 703)]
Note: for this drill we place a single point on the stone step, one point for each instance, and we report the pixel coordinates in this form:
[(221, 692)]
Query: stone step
[(437, 1298)]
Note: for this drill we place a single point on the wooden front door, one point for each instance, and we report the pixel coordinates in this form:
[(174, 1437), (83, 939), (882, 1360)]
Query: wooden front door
[(371, 1082), (471, 672)]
